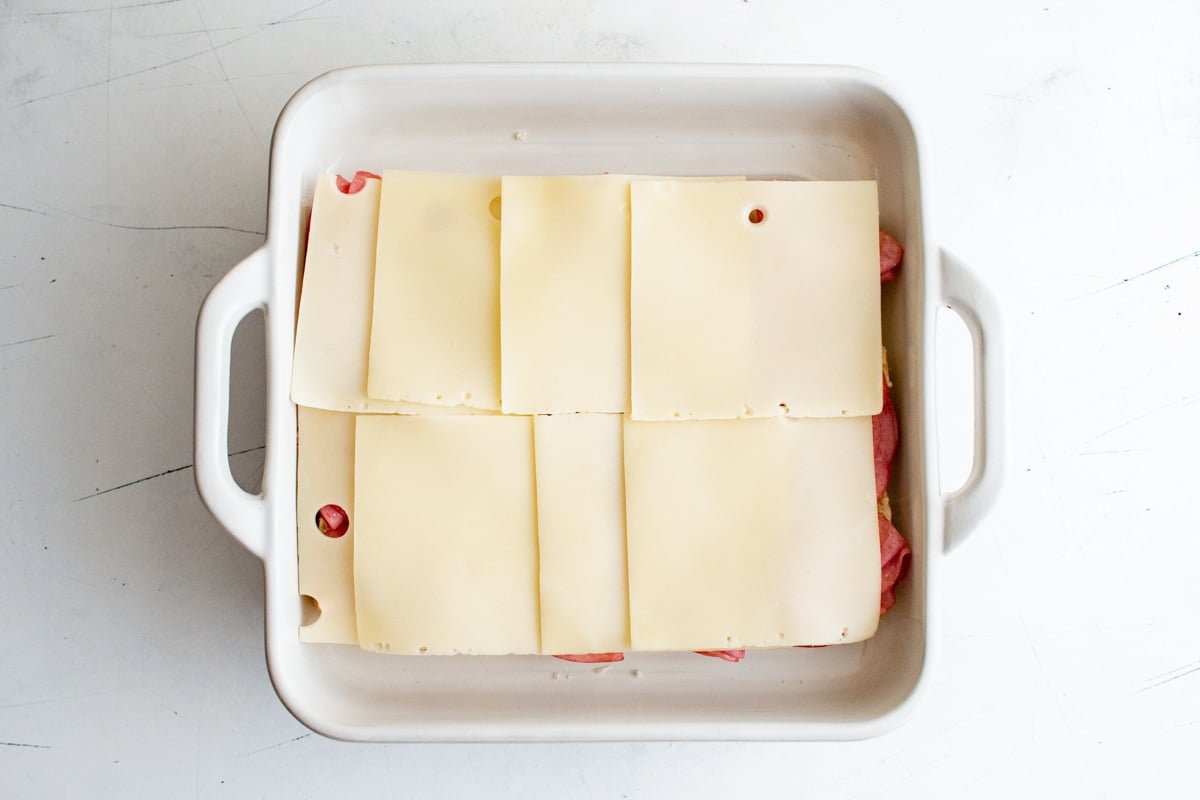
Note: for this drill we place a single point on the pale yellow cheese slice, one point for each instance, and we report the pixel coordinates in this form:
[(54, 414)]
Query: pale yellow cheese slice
[(564, 289), (329, 367), (325, 475), (732, 318), (581, 533), (751, 533), (435, 330), (446, 554), (564, 293)]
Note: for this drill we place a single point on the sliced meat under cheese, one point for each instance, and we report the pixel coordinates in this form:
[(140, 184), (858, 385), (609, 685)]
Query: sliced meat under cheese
[(894, 556), (890, 255), (885, 433)]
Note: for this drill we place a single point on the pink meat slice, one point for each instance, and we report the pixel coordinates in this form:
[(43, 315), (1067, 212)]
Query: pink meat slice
[(593, 658), (894, 555), (725, 655), (355, 184), (332, 520), (885, 431), (890, 254)]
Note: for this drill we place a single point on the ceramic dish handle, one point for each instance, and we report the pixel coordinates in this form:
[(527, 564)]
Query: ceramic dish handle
[(239, 293), (971, 300)]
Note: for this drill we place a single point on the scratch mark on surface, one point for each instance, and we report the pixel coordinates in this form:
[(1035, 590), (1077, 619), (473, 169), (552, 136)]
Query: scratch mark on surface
[(108, 116), (224, 73), (169, 227), (211, 541), (67, 699), (1179, 67), (11, 286), (1131, 278), (150, 3), (254, 28), (295, 14), (142, 71), (1016, 97), (1139, 417), (26, 744), (95, 10), (173, 61), (171, 471), (277, 744), (125, 227), (27, 341), (1167, 677), (23, 208)]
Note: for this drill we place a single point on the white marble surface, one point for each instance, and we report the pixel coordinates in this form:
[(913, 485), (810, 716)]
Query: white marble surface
[(133, 158)]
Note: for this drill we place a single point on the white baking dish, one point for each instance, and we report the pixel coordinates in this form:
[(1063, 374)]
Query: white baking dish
[(758, 121)]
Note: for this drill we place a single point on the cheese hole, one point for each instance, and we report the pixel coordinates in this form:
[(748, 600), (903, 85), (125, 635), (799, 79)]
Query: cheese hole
[(333, 521), (466, 396), (310, 610), (494, 208), (676, 414), (423, 649), (748, 410), (756, 216), (437, 397)]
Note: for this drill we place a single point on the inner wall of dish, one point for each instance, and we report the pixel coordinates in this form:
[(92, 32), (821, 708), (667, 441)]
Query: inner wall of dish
[(761, 128)]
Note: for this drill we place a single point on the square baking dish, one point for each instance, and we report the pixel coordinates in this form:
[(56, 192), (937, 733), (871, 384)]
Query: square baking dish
[(794, 122)]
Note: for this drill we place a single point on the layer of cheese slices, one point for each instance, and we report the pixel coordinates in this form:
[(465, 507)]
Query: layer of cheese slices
[(586, 414)]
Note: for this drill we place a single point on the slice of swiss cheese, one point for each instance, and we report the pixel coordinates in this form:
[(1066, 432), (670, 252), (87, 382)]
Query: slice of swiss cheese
[(445, 548), (329, 368), (324, 475), (751, 533), (435, 330), (564, 293), (564, 288), (581, 533), (737, 318)]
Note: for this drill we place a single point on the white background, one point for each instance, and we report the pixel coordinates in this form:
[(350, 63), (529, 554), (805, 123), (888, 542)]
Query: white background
[(1065, 139)]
